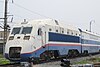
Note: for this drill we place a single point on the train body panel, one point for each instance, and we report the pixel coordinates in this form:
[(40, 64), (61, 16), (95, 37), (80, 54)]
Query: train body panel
[(35, 38), (90, 42)]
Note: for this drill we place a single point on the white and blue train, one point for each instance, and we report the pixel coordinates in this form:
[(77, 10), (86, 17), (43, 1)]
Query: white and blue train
[(48, 38)]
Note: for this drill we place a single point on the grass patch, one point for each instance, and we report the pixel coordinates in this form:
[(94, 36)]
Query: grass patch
[(1, 56), (82, 62), (89, 61), (3, 60), (94, 59)]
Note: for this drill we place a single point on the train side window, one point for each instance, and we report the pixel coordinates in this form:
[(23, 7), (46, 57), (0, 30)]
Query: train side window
[(56, 30), (67, 32), (76, 34), (62, 31), (50, 29), (39, 31), (72, 33)]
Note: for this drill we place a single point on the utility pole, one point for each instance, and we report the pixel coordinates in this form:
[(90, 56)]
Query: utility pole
[(5, 25)]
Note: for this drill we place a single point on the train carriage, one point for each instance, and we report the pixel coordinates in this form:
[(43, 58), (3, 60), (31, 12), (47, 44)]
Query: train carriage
[(48, 38), (90, 42)]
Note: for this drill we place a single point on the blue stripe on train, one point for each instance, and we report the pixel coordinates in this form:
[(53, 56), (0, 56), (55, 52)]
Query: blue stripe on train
[(57, 37), (84, 41), (63, 38), (62, 49)]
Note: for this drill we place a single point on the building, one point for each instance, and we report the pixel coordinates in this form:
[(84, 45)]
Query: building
[(2, 40)]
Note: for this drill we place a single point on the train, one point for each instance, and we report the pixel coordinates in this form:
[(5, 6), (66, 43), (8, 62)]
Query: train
[(48, 38)]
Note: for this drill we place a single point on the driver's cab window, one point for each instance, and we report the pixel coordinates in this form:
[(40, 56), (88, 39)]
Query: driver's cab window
[(39, 31)]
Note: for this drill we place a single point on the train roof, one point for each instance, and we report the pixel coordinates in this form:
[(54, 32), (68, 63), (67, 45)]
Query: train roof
[(50, 22), (44, 22), (91, 33), (53, 22)]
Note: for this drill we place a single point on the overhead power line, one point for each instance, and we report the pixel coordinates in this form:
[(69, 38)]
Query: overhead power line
[(1, 1), (30, 10), (1, 12), (33, 12)]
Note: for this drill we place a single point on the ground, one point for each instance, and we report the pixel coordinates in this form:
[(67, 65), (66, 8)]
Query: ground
[(3, 60), (81, 60)]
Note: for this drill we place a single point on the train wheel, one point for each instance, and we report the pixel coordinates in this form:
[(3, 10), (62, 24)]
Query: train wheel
[(76, 53), (70, 53), (56, 54), (46, 56), (85, 52), (73, 53)]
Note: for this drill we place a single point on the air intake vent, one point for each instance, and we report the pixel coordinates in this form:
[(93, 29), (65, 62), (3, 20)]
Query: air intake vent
[(26, 37), (14, 52), (56, 22), (25, 22)]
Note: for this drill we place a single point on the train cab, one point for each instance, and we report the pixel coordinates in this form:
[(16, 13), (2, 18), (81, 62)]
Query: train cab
[(19, 38), (24, 41)]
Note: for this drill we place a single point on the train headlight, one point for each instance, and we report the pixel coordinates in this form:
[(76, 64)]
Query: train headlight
[(11, 37), (26, 37)]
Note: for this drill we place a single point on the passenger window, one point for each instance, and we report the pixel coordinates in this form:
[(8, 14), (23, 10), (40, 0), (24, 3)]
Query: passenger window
[(67, 32), (62, 31), (56, 30), (72, 33), (50, 29), (76, 34), (39, 31)]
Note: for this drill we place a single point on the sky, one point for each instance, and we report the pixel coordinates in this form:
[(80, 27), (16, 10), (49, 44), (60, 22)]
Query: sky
[(76, 12)]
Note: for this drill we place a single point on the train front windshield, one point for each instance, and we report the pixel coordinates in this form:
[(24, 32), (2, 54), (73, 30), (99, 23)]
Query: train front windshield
[(21, 30), (26, 30), (16, 30)]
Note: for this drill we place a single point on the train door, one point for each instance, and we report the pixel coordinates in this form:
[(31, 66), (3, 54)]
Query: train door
[(42, 36)]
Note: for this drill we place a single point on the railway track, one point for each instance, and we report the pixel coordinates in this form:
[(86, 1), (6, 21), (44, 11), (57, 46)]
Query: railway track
[(11, 65), (57, 63), (53, 63), (75, 59)]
